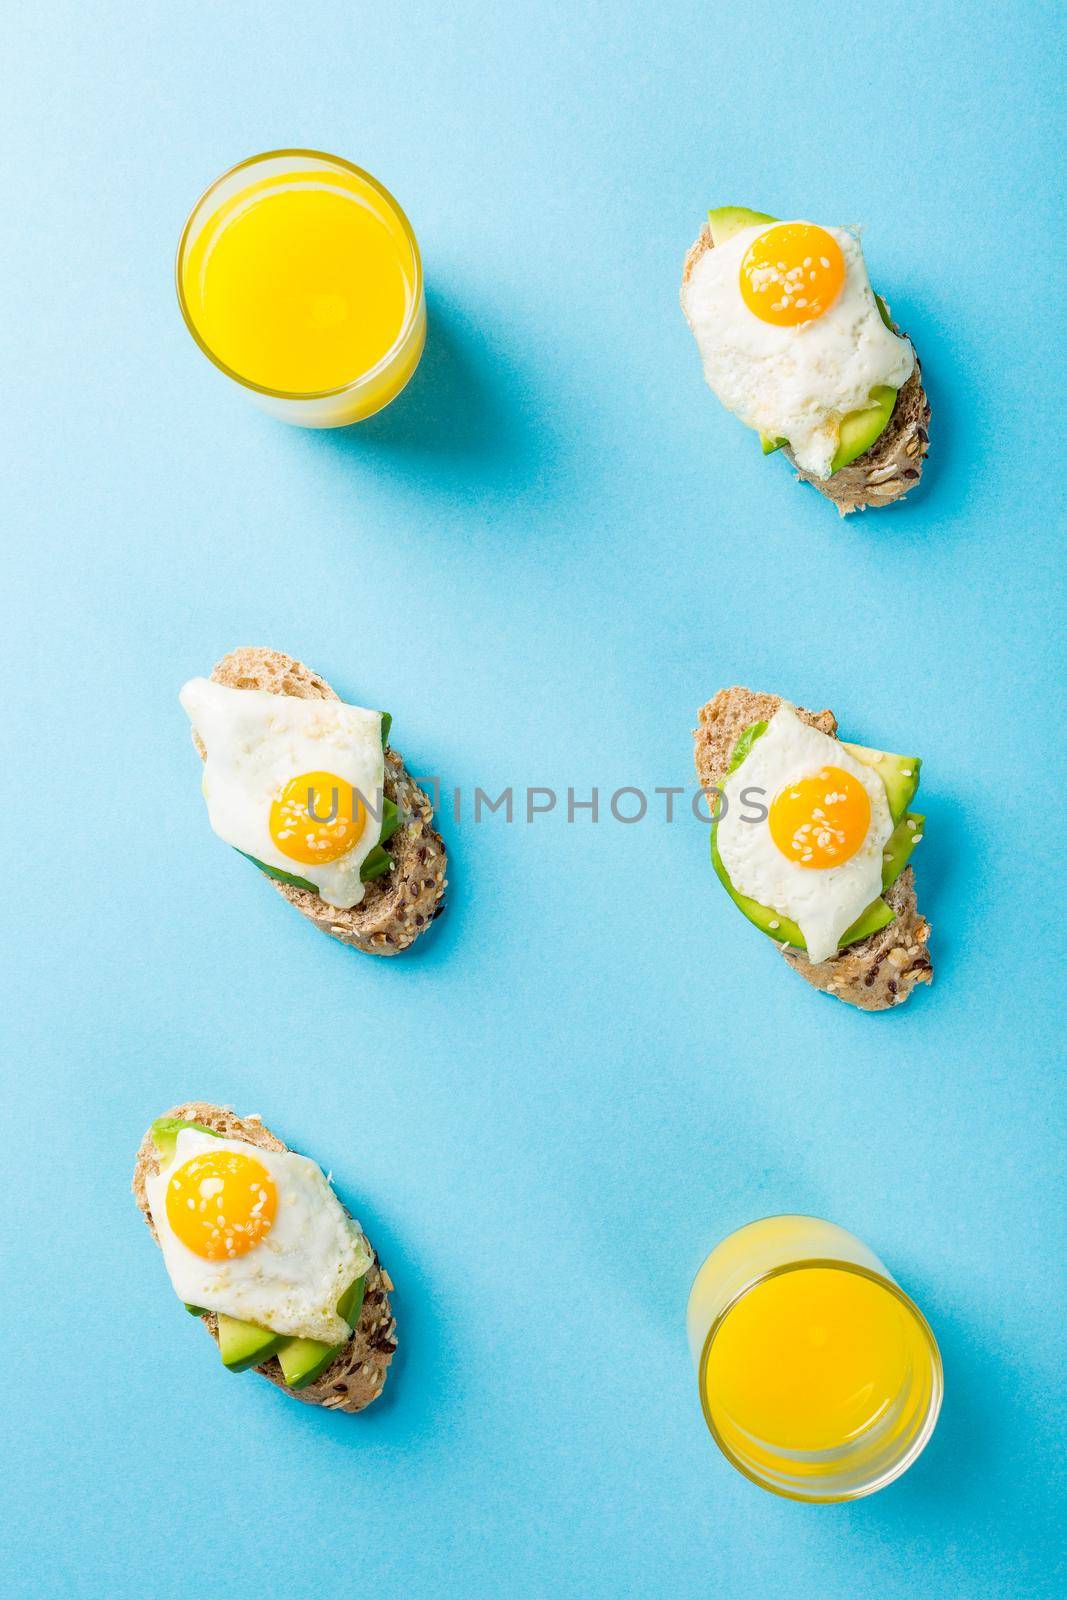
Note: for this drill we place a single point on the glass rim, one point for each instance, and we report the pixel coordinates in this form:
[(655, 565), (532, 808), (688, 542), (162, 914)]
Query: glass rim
[(937, 1386), (407, 327)]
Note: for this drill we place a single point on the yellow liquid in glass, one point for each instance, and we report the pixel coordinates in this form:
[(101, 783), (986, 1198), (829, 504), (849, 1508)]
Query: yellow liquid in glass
[(812, 1360), (301, 282)]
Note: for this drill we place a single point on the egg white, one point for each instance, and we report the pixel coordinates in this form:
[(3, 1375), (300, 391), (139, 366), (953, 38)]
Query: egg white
[(292, 1280), (793, 383), (825, 902), (257, 742)]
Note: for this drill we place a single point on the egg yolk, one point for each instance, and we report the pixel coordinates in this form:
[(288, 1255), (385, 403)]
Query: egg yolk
[(317, 817), (821, 821), (792, 273), (221, 1204)]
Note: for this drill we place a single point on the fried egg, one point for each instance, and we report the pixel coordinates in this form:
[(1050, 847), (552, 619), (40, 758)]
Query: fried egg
[(789, 333), (816, 854), (256, 1234), (297, 784)]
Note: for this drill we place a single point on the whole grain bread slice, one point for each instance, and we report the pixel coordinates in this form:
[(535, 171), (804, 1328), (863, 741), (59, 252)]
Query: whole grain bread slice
[(894, 463), (357, 1375), (880, 971), (398, 907)]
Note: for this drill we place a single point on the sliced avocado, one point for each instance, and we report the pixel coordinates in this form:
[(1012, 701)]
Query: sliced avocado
[(725, 221), (899, 845), (304, 1360), (900, 774), (165, 1131), (194, 1311), (742, 748), (243, 1344), (877, 915), (859, 429), (781, 929), (769, 922), (387, 723)]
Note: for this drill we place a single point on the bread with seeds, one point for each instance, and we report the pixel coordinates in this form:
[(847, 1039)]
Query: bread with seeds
[(342, 1378), (399, 890), (877, 971), (878, 453)]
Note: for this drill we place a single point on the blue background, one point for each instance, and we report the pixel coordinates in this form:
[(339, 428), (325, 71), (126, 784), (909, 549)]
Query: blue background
[(541, 560)]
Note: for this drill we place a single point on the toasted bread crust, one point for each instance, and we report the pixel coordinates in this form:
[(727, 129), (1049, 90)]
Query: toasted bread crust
[(880, 971), (893, 465), (358, 1374), (397, 908)]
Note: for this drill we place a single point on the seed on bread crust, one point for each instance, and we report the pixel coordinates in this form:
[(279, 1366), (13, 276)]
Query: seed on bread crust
[(893, 464)]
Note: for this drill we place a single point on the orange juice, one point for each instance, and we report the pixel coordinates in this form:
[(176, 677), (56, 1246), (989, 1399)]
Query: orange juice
[(818, 1376), (300, 277)]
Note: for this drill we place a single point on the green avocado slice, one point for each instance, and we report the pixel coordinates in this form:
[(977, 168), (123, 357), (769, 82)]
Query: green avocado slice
[(899, 846), (754, 731), (243, 1344), (165, 1131), (304, 1360), (784, 931), (725, 221), (900, 774), (859, 429)]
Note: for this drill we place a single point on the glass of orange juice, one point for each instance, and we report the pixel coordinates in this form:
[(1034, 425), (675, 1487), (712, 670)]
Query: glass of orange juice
[(299, 276), (819, 1378)]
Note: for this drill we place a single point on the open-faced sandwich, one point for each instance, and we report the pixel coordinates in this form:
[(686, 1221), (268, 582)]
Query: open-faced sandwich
[(310, 790), (259, 1247), (812, 840), (796, 344)]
